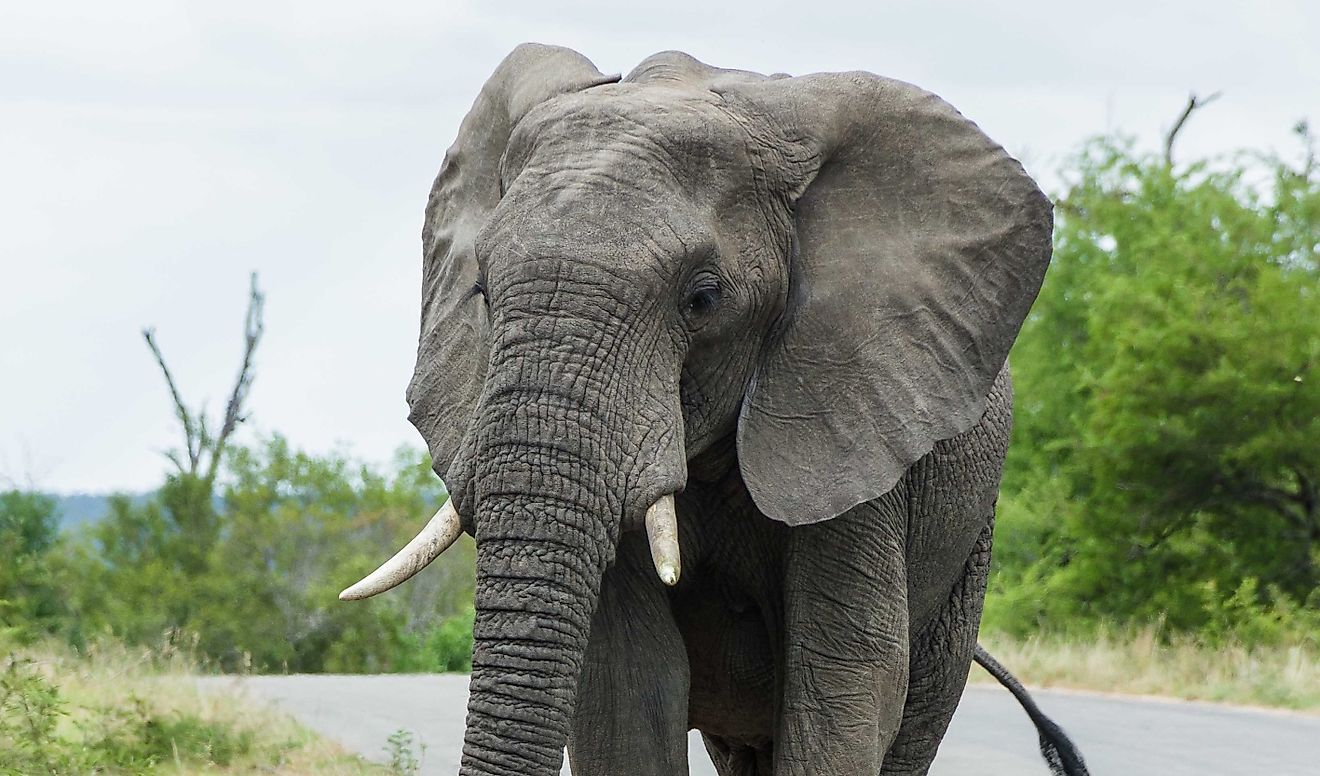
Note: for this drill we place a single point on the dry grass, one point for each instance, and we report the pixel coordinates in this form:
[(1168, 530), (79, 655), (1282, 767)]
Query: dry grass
[(112, 690), (1141, 663)]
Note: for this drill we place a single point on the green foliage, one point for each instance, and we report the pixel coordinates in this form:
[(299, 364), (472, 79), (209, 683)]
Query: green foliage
[(399, 752), (450, 644), (251, 580), (140, 572), (41, 732), (136, 738), (30, 602), (30, 709), (1165, 462)]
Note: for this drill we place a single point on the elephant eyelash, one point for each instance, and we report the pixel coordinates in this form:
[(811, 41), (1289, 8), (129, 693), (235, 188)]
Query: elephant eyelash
[(479, 287), (704, 298)]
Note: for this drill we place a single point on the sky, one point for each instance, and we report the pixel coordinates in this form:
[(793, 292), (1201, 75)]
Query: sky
[(153, 154)]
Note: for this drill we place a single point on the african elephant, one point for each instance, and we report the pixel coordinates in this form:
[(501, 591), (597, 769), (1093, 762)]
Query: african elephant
[(713, 364)]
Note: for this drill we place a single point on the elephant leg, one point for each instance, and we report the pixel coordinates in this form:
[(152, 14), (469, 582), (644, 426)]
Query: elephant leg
[(846, 642), (941, 656), (632, 704)]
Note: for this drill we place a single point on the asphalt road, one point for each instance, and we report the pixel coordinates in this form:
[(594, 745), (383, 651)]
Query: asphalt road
[(990, 736)]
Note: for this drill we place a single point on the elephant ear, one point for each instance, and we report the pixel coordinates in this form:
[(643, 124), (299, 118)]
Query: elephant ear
[(454, 345), (920, 246)]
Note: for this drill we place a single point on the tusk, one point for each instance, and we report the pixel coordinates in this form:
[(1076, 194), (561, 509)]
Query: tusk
[(441, 532), (662, 535)]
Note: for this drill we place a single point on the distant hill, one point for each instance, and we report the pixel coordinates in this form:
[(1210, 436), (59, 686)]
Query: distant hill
[(79, 509)]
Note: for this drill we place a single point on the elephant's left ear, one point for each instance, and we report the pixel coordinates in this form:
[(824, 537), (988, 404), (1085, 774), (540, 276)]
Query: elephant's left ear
[(921, 244)]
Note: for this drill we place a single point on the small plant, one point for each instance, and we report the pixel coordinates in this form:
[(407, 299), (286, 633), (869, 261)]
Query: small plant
[(30, 710), (399, 748)]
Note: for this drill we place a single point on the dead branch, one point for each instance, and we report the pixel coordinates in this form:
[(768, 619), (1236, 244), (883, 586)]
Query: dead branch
[(1193, 103), (253, 328), (196, 433), (180, 409)]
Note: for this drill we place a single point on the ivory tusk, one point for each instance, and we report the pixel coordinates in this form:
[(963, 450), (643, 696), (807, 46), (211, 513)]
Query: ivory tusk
[(440, 532), (662, 535)]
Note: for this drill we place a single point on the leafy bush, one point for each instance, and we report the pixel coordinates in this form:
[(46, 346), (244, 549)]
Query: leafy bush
[(30, 710), (100, 738), (30, 601), (137, 737), (253, 577), (1164, 464), (129, 710), (450, 644)]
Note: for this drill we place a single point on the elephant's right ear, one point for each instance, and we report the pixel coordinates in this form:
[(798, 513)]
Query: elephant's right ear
[(453, 348)]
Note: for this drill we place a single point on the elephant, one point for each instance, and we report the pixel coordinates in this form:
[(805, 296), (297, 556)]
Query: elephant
[(713, 364)]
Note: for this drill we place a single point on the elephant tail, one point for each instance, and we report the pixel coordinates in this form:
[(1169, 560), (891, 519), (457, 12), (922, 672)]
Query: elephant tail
[(1058, 750)]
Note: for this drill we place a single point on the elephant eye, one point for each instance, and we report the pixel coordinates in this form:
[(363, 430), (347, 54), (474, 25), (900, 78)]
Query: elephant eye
[(480, 288), (704, 298)]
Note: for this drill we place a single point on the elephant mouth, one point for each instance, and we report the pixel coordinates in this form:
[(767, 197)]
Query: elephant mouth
[(444, 528)]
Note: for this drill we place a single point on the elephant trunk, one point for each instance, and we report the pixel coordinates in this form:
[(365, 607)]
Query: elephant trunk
[(544, 533), (571, 442)]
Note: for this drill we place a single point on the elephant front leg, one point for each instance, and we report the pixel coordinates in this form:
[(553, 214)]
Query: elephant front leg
[(632, 703), (846, 643)]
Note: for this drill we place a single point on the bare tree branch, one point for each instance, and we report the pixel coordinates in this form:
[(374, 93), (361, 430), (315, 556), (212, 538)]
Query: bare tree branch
[(253, 328), (1193, 104), (174, 458), (197, 434), (180, 409)]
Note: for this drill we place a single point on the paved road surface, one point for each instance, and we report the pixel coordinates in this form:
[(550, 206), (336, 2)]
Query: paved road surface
[(990, 736)]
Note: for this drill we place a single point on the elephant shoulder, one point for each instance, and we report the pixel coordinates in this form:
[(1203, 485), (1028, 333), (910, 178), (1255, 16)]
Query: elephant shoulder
[(951, 494), (990, 435)]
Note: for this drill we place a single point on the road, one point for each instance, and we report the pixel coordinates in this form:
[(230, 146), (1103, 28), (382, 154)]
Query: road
[(990, 736)]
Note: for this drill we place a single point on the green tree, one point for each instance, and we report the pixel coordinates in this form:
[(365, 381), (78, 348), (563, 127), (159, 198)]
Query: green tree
[(1165, 461), (30, 600), (144, 569), (138, 573), (300, 528), (261, 593)]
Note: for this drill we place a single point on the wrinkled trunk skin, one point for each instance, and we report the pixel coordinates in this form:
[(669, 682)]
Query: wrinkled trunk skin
[(564, 445), (542, 545)]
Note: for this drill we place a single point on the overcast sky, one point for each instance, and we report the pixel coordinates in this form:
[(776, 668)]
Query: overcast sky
[(153, 154)]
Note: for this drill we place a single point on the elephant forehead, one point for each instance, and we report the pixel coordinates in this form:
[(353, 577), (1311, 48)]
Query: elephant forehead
[(633, 134), (571, 214)]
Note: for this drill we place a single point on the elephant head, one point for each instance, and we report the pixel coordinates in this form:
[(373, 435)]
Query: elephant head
[(823, 274)]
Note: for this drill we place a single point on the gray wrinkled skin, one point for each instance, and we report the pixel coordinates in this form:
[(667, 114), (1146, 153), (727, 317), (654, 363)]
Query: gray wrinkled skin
[(789, 300)]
